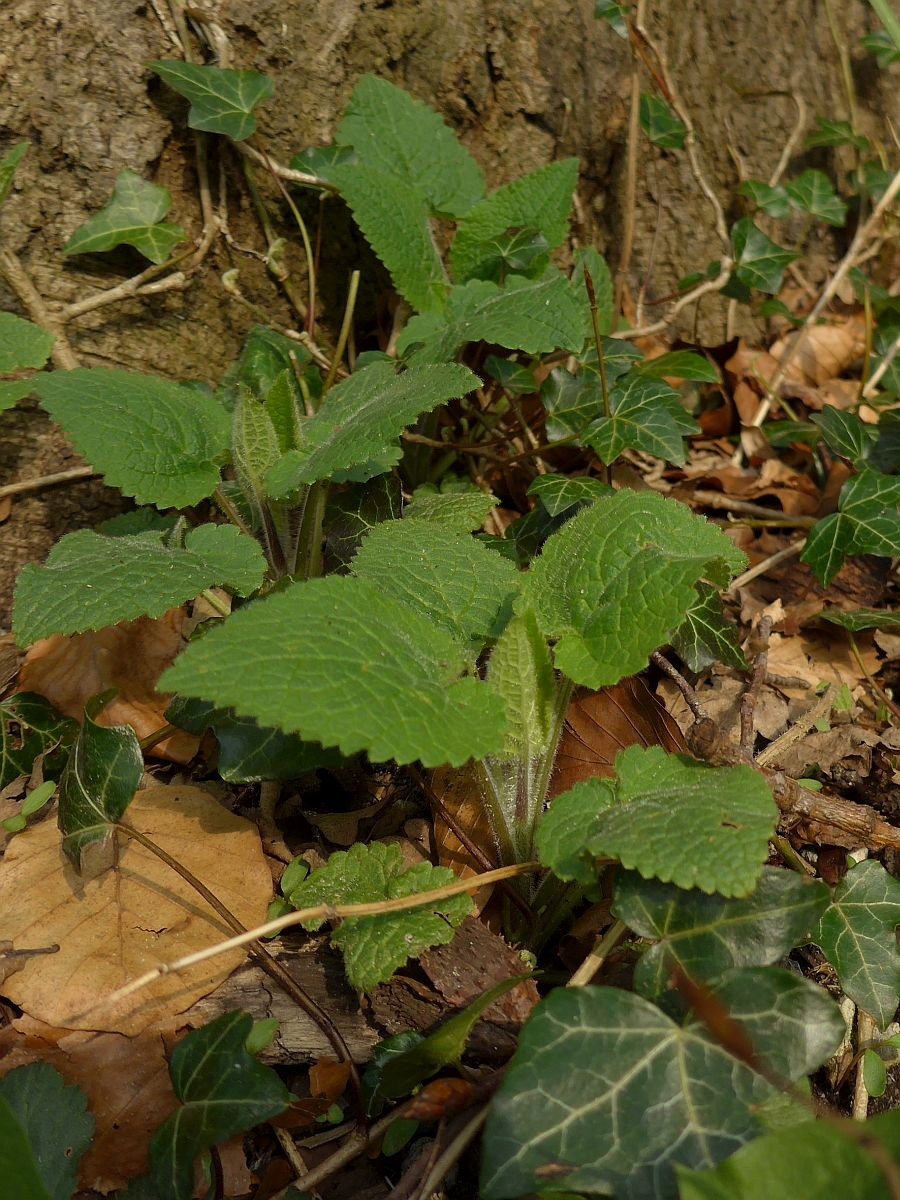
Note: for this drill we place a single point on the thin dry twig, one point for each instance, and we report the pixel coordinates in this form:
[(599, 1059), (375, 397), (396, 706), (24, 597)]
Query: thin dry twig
[(799, 729), (19, 280), (767, 564), (26, 486), (690, 696), (757, 679), (598, 956)]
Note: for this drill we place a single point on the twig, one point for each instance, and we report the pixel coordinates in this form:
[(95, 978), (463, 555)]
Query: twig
[(758, 678), (355, 1144), (876, 688), (791, 144), (293, 1155), (344, 334), (281, 171), (878, 374), (865, 1032), (453, 1153), (710, 499), (138, 285), (18, 279), (726, 264), (24, 486), (761, 568), (595, 960), (799, 729), (690, 696)]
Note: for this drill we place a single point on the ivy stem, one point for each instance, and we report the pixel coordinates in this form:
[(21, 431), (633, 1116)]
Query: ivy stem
[(159, 735), (594, 961)]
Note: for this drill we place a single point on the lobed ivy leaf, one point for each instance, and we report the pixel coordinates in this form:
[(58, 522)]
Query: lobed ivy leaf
[(535, 315), (23, 344), (867, 523), (222, 100), (845, 433), (342, 663), (817, 1158), (541, 201), (9, 164), (835, 133), (452, 579), (706, 935), (560, 493), (660, 124), (397, 134), (223, 1091), (614, 15), (458, 512), (394, 220), (99, 782), (91, 580), (857, 934), (132, 217), (30, 726), (354, 434), (774, 201), (605, 1094), (680, 364), (157, 441), (375, 947), (45, 1129), (861, 618), (615, 581), (646, 414), (759, 262), (814, 193), (706, 635), (682, 821)]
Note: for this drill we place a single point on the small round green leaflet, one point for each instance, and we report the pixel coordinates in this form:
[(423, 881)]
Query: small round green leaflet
[(33, 803)]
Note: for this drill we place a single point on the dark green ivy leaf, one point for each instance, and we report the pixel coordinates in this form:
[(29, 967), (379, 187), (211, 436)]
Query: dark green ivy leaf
[(759, 262), (661, 126), (845, 433), (867, 523), (222, 100), (30, 726), (813, 193), (707, 636), (646, 414), (773, 201)]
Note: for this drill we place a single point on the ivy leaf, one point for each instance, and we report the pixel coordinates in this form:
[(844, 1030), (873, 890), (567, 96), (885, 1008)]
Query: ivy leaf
[(867, 523), (512, 376), (342, 663), (8, 166), (534, 315), (23, 344), (660, 124), (681, 364), (861, 618), (792, 1024), (99, 782), (394, 219), (857, 934), (613, 14), (131, 217), (567, 828), (222, 100), (646, 415), (45, 1129), (457, 512), (223, 1091), (813, 193), (375, 947), (541, 201), (560, 493), (774, 201), (759, 262), (845, 433), (835, 133), (681, 821), (587, 1057), (397, 134), (456, 582), (706, 935), (90, 580), (40, 728), (157, 441), (354, 434), (615, 581), (706, 635)]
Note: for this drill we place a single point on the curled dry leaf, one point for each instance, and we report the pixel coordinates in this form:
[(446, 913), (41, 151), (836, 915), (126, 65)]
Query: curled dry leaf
[(827, 350), (130, 658), (135, 915), (126, 1082)]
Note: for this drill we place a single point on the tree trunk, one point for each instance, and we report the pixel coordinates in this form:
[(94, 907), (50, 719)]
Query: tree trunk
[(521, 84)]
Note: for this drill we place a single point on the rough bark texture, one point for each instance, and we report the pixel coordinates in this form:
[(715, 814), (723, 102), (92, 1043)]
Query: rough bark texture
[(521, 83)]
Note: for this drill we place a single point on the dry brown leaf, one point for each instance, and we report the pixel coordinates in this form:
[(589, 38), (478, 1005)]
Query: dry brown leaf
[(827, 350), (130, 658), (126, 1082), (129, 919), (753, 364)]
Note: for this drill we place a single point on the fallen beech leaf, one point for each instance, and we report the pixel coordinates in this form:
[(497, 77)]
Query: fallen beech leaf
[(130, 658), (133, 916), (126, 1081), (328, 1078), (827, 350), (459, 790)]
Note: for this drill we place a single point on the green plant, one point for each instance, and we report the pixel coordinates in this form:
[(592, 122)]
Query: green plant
[(428, 643)]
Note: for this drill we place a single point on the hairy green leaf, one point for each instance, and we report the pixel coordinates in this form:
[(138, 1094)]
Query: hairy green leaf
[(45, 1129), (773, 201), (375, 947), (759, 262), (454, 580), (520, 671), (458, 512), (857, 933), (559, 493), (223, 1091), (90, 580), (567, 828), (354, 434), (157, 441), (342, 663), (131, 217), (222, 100), (99, 782), (868, 523), (352, 511), (605, 1094), (646, 414), (814, 193), (681, 821), (394, 219), (660, 124), (706, 935), (23, 344), (706, 635), (614, 583), (541, 200), (12, 391), (397, 134)]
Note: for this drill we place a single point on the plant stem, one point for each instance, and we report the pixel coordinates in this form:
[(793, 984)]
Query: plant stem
[(598, 955), (215, 603), (345, 331)]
